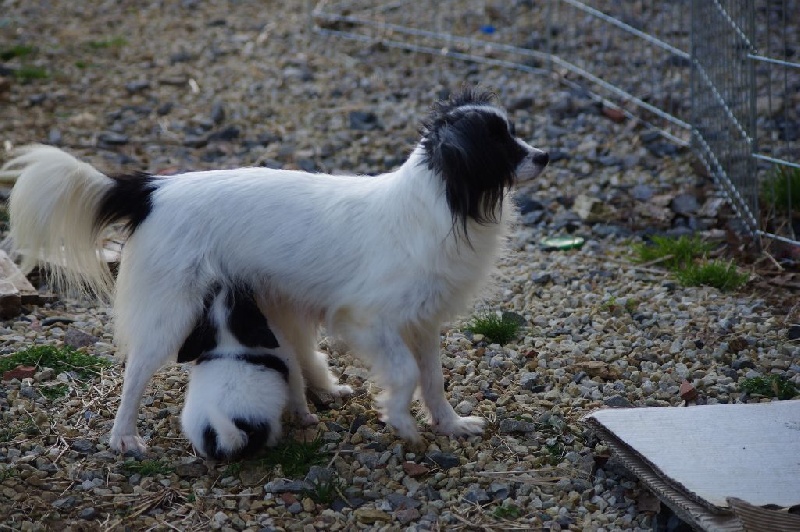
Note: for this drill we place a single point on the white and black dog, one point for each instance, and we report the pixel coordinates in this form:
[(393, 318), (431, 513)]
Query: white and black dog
[(380, 261), (240, 383)]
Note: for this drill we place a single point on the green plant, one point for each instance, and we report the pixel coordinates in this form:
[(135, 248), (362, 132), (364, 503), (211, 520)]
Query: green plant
[(509, 511), (325, 490), (111, 42), (7, 472), (672, 253), (54, 391), (147, 468), (770, 386), (294, 457), (29, 73), (500, 329), (719, 274), (60, 359), (19, 50), (781, 188)]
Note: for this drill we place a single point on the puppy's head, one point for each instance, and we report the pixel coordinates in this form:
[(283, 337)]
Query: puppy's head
[(472, 145)]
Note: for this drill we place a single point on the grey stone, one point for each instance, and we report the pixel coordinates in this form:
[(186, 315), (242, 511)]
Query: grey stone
[(295, 508), (217, 114), (77, 338), (528, 380), (642, 192), (514, 426), (617, 401), (83, 446), (137, 86), (399, 501), (111, 138), (65, 503), (477, 496), (684, 204), (194, 469), (283, 486), (444, 460), (541, 278), (88, 513)]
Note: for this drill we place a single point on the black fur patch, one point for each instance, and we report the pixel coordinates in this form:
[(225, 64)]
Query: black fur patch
[(257, 436), (265, 360), (203, 337), (130, 199), (476, 154), (246, 321)]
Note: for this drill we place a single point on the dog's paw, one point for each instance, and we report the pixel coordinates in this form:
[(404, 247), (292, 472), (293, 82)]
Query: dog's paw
[(127, 443), (341, 390), (460, 426), (405, 427)]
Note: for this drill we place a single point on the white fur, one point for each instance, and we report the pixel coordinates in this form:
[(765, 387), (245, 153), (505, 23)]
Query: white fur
[(377, 260)]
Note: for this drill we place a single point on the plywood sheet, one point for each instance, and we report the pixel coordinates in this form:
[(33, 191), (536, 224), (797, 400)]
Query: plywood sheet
[(709, 453)]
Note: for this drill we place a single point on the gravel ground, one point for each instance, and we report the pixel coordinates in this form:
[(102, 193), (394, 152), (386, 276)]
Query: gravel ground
[(169, 86)]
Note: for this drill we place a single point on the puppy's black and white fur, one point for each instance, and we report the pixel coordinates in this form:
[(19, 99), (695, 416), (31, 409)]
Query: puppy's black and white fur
[(239, 385), (382, 261)]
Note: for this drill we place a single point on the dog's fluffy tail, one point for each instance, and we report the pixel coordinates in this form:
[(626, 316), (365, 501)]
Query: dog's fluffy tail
[(56, 214)]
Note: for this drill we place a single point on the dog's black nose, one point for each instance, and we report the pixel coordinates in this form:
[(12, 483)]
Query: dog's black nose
[(541, 158)]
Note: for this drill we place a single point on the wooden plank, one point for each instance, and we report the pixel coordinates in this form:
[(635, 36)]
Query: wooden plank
[(11, 273), (10, 301)]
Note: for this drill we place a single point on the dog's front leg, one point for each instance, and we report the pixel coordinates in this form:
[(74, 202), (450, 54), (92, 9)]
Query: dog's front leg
[(395, 370), (139, 369), (444, 419)]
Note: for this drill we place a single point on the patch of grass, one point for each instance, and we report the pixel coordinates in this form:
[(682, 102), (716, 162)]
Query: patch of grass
[(509, 511), (7, 472), (30, 73), (781, 188), (54, 391), (294, 457), (672, 253), (19, 50), (111, 42), (719, 274), (770, 386), (60, 359), (324, 491), (26, 427), (147, 468), (499, 329)]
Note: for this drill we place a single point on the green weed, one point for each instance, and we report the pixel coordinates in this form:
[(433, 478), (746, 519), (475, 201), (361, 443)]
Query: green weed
[(500, 329), (111, 42), (294, 457), (509, 511), (672, 253), (770, 386), (781, 188), (719, 274), (324, 491), (60, 359), (19, 50), (30, 73), (147, 468)]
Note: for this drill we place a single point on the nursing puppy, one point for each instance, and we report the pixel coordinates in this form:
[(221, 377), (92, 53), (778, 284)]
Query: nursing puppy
[(240, 383), (380, 261)]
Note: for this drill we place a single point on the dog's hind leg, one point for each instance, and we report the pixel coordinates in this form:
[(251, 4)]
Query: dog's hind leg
[(425, 343)]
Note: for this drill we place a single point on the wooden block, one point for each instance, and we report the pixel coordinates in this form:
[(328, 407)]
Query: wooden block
[(11, 273), (10, 301)]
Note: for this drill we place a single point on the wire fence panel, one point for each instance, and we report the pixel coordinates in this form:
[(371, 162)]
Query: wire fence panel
[(721, 75)]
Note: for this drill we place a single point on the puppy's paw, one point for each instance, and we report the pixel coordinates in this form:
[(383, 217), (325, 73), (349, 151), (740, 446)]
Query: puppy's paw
[(124, 443), (460, 426), (306, 418)]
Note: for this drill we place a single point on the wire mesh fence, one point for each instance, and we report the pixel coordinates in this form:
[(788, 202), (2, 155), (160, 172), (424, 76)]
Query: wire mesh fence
[(719, 75)]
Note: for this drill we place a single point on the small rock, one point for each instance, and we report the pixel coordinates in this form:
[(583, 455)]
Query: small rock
[(137, 86), (528, 380), (195, 141), (284, 486), (617, 401), (77, 338), (614, 114), (217, 114), (477, 496), (83, 446), (191, 470), (541, 278), (20, 372), (65, 503), (684, 204), (642, 192), (513, 426), (364, 121), (54, 137), (407, 515), (398, 501), (111, 138), (295, 508), (371, 515), (53, 320), (444, 460), (688, 391), (743, 363), (88, 513), (319, 474), (794, 332), (226, 134), (414, 469)]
